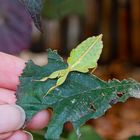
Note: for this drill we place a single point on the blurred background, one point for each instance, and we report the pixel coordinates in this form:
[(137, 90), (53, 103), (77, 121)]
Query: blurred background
[(68, 22)]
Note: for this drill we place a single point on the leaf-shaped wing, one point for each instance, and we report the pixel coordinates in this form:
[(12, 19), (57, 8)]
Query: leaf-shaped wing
[(86, 55), (80, 98), (81, 59)]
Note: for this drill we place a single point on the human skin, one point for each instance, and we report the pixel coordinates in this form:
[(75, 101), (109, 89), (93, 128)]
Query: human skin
[(10, 69)]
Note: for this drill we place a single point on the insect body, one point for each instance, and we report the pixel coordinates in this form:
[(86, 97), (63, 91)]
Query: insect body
[(81, 59)]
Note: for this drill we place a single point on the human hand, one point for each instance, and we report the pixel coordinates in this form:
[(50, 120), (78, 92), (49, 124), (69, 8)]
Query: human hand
[(12, 117)]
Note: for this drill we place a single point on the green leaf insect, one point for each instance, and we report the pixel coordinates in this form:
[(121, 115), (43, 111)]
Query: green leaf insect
[(81, 59)]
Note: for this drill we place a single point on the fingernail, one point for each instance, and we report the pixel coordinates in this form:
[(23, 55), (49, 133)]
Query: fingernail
[(12, 117), (30, 136)]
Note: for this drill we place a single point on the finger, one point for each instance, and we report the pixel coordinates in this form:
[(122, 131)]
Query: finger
[(10, 69), (40, 120), (5, 135), (19, 135), (7, 96), (12, 117)]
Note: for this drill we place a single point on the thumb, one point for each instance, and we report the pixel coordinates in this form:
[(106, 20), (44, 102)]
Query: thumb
[(12, 117)]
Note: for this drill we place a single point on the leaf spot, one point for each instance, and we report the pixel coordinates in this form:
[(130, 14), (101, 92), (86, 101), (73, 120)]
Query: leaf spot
[(103, 94), (120, 94), (73, 101), (135, 93), (113, 101), (92, 107)]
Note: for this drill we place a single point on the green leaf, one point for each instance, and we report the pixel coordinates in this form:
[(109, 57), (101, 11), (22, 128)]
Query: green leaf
[(34, 7), (87, 133), (80, 98), (56, 9), (134, 138), (81, 59)]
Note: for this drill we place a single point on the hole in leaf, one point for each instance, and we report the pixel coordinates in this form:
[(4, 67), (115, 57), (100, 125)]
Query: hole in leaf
[(120, 94), (68, 125), (92, 107), (114, 101)]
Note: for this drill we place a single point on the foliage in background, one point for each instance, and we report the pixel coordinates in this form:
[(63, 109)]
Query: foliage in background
[(87, 133), (38, 135), (56, 9), (53, 9), (134, 138), (15, 22), (15, 27)]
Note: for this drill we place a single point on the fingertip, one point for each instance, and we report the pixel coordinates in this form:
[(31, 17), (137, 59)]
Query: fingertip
[(19, 135), (10, 68), (7, 96), (5, 135), (40, 120), (12, 118)]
